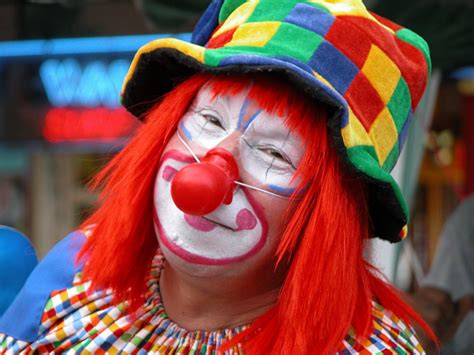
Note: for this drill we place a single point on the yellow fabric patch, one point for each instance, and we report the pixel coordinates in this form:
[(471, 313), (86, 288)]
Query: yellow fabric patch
[(61, 334), (64, 296), (237, 17), (354, 134), (107, 319), (344, 7), (384, 135), (254, 34), (192, 50), (350, 8), (382, 73)]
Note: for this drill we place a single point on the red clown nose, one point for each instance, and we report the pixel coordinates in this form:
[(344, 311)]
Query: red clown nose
[(200, 188)]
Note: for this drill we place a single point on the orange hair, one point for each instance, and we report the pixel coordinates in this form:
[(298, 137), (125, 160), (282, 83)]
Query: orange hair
[(329, 287)]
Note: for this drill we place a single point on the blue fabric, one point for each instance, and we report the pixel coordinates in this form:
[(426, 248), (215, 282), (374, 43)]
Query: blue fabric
[(333, 65), (207, 23), (295, 66), (17, 260), (402, 136), (305, 16), (55, 272)]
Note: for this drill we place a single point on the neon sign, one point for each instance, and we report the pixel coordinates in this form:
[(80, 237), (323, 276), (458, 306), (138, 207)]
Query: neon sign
[(97, 83), (84, 45), (98, 124), (81, 79)]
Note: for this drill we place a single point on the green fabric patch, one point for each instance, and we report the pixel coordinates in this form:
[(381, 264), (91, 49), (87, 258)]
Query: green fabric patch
[(293, 41), (399, 350), (399, 104), (269, 11), (84, 344), (126, 336), (213, 57), (303, 45), (411, 37), (365, 160), (137, 341), (49, 305), (391, 158), (405, 336), (228, 7)]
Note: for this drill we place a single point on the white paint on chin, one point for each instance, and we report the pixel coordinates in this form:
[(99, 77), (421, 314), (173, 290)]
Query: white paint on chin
[(218, 246)]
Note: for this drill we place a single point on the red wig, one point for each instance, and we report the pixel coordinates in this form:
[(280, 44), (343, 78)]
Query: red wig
[(329, 287)]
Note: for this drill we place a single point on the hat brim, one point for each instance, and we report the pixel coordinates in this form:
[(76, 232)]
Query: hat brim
[(162, 64)]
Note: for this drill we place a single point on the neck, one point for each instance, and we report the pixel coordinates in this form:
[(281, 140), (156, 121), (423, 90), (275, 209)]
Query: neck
[(197, 303)]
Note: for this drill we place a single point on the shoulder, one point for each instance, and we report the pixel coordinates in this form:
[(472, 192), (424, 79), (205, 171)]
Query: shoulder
[(56, 271), (389, 333)]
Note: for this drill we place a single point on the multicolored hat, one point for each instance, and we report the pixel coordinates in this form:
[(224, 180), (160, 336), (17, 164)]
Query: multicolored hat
[(370, 72)]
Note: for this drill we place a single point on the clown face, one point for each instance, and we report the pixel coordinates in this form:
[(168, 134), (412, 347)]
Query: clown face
[(267, 153)]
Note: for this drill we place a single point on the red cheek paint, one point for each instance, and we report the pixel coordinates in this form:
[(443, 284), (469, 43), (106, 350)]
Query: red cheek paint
[(168, 173), (245, 220)]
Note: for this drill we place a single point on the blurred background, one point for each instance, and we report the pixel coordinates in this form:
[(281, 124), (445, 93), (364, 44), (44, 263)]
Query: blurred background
[(61, 67), (62, 63)]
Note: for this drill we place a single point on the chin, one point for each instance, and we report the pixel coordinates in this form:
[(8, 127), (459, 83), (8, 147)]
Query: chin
[(206, 270)]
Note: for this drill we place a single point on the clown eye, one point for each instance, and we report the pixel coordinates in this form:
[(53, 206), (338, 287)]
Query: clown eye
[(211, 117), (214, 120), (276, 154)]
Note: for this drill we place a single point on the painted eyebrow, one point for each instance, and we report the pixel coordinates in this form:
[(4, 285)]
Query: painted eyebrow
[(199, 109)]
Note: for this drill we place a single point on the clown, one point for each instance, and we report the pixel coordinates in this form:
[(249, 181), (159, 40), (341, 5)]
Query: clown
[(236, 219)]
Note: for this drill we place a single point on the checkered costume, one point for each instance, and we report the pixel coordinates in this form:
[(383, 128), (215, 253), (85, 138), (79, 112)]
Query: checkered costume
[(75, 320)]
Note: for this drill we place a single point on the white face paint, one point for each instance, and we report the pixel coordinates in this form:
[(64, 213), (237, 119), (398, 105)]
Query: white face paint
[(229, 234), (267, 154)]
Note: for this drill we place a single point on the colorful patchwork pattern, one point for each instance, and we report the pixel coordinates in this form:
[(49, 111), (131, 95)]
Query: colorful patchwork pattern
[(78, 321), (82, 322), (372, 69)]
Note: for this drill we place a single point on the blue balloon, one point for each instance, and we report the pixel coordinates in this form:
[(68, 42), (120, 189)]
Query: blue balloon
[(17, 260)]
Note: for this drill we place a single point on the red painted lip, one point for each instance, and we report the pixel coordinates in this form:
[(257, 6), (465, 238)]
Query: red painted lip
[(196, 259), (199, 223)]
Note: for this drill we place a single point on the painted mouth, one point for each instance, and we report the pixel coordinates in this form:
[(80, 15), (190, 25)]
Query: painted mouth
[(204, 224)]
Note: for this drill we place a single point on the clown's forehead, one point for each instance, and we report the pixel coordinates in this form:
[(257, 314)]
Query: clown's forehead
[(239, 112)]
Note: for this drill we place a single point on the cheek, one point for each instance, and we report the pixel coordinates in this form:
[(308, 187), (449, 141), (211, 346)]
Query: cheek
[(173, 144), (275, 211)]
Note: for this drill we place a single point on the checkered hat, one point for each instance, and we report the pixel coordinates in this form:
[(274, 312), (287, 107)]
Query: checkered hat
[(370, 72)]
